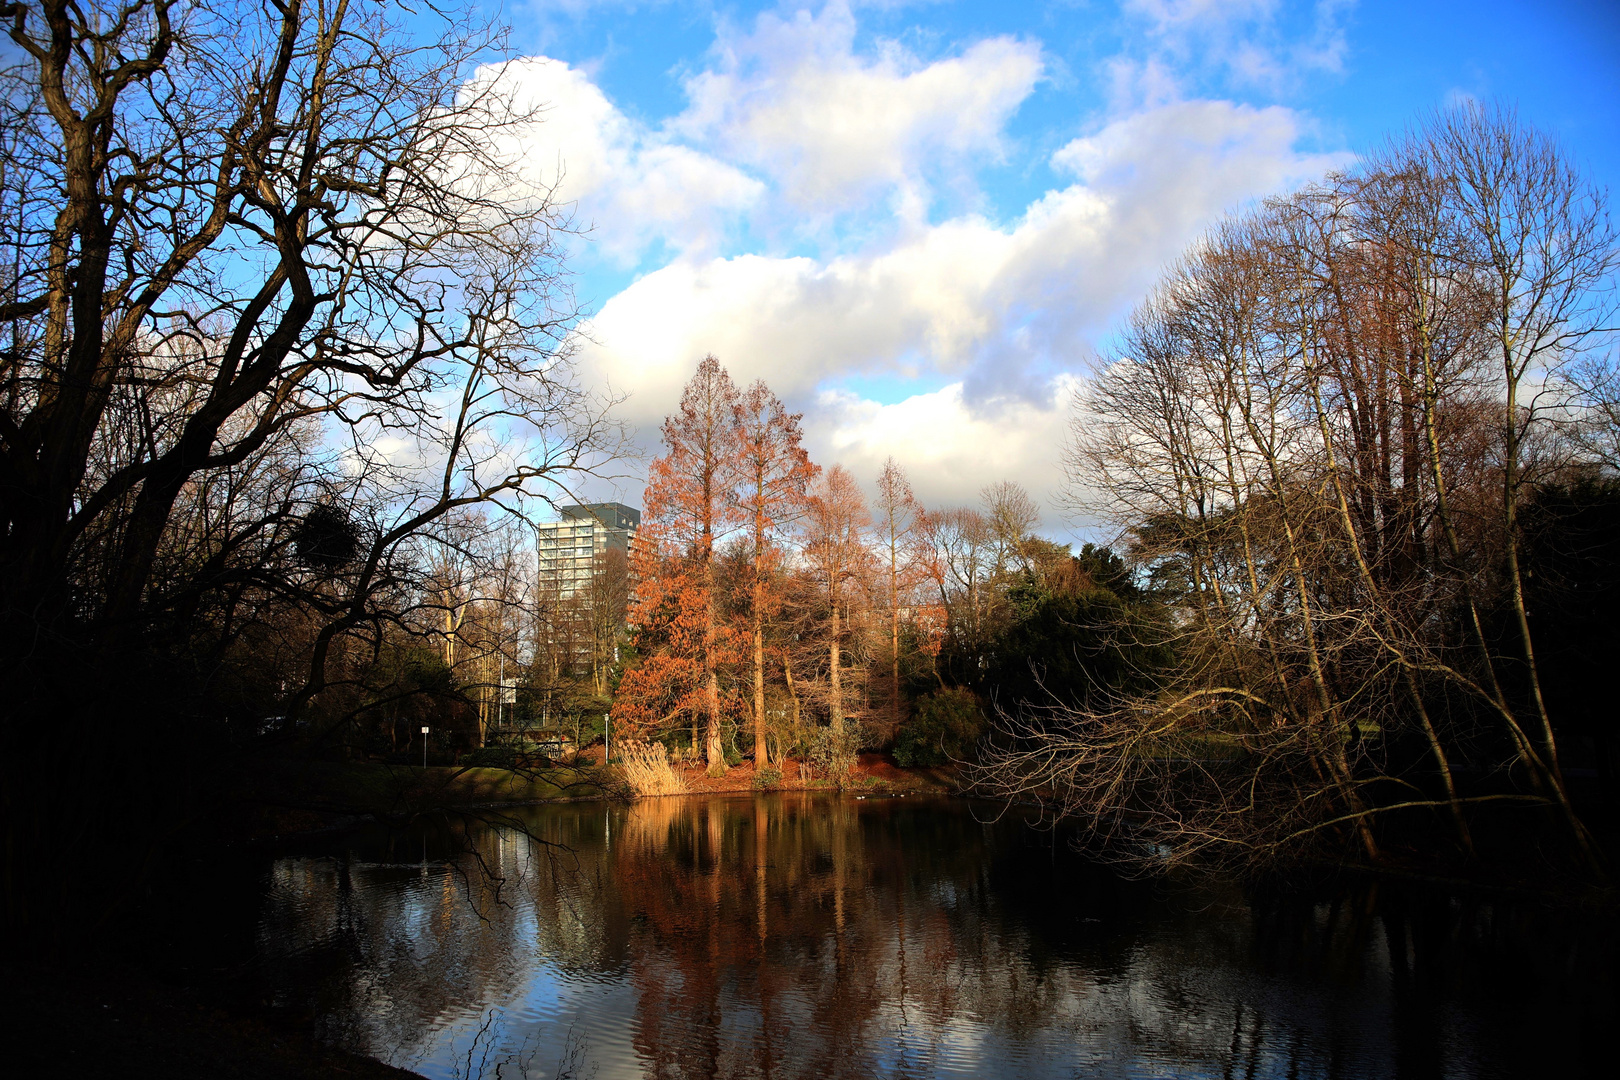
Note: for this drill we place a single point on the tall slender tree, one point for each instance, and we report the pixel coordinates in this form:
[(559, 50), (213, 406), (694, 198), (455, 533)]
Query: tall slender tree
[(898, 518), (1540, 248), (691, 504), (1011, 514), (835, 545), (958, 546), (774, 473)]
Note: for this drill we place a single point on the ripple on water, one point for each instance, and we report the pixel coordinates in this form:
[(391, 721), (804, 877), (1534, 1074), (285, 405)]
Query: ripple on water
[(796, 936)]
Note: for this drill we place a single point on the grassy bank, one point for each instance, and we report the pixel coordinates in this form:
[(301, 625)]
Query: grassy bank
[(279, 797)]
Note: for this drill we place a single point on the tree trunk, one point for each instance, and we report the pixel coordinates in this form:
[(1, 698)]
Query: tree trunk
[(894, 638), (716, 747), (715, 752), (761, 751), (793, 695), (1510, 540), (835, 662)]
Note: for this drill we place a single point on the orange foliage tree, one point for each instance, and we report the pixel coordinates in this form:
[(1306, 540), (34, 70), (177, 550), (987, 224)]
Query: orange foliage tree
[(899, 521), (773, 475), (690, 505), (835, 548)]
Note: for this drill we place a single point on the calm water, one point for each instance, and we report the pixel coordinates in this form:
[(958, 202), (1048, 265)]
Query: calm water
[(812, 936)]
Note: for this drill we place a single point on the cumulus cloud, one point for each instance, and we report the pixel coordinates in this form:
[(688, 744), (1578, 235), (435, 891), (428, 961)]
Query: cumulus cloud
[(790, 125), (1002, 313), (949, 449), (634, 186), (833, 128), (998, 307)]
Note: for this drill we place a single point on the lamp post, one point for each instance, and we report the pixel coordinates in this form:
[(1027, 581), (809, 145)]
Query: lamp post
[(424, 747)]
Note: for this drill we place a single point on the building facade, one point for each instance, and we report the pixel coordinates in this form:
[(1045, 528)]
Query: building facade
[(568, 548)]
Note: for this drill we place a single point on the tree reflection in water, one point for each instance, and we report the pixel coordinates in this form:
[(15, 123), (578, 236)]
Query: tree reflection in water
[(789, 935)]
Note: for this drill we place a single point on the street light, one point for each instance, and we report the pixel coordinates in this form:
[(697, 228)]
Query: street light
[(424, 746)]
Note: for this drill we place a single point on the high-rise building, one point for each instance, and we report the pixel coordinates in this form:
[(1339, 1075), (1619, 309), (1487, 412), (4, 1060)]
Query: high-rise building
[(568, 548)]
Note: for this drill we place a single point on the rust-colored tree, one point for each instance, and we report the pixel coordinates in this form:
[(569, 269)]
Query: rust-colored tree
[(836, 550), (899, 520), (774, 474), (690, 504)]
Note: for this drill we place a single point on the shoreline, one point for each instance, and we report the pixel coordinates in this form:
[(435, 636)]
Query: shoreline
[(282, 799), (345, 796)]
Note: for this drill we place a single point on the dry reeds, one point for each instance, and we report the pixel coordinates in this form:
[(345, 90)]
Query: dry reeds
[(647, 771)]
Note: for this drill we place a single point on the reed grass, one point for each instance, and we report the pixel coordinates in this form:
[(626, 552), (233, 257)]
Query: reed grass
[(646, 769)]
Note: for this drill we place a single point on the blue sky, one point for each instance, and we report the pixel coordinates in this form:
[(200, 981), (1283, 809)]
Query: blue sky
[(919, 221)]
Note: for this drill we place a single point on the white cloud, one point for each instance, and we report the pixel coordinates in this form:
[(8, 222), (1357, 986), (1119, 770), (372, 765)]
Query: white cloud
[(796, 321), (1256, 41), (965, 298), (1169, 15), (999, 312), (833, 132), (634, 186), (835, 128), (791, 127), (949, 449)]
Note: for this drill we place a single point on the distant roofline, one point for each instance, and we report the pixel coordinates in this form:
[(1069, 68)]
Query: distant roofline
[(612, 515)]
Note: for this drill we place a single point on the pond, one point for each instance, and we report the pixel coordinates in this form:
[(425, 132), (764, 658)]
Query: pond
[(800, 935)]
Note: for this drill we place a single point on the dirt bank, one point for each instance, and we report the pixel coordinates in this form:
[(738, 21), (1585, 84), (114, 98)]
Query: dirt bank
[(874, 774)]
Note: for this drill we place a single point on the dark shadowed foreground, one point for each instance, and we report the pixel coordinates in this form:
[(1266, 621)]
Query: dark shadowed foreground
[(808, 935), (77, 1021)]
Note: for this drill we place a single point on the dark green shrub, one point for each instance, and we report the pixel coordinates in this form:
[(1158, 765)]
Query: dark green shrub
[(833, 755), (768, 777), (944, 727), (1072, 647)]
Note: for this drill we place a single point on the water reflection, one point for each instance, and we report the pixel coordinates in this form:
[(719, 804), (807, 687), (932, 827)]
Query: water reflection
[(788, 936)]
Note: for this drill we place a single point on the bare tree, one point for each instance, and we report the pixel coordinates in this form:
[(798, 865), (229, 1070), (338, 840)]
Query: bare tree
[(608, 603), (959, 548), (1297, 435), (229, 223), (1011, 514), (1541, 251)]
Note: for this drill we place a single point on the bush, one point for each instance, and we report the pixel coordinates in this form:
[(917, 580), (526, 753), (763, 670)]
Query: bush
[(831, 754), (944, 727), (768, 777)]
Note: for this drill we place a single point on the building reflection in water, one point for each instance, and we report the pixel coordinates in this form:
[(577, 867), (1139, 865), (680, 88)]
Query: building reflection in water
[(817, 936)]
